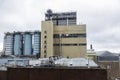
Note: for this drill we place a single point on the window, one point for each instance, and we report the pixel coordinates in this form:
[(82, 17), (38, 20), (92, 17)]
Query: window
[(45, 42), (45, 32), (45, 56), (44, 51), (83, 44), (45, 36), (56, 36), (44, 46), (69, 35)]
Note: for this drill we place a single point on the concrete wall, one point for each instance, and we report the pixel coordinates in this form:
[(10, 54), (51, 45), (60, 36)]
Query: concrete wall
[(47, 30), (70, 51)]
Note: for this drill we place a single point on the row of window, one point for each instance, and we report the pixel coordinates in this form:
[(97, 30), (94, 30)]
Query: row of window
[(69, 35), (45, 43), (81, 44), (64, 18)]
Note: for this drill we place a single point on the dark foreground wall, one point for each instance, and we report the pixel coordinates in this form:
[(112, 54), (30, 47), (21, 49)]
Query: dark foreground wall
[(3, 75), (56, 74)]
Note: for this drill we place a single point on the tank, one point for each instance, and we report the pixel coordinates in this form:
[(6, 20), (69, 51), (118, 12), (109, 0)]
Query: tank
[(8, 43), (27, 43), (18, 43), (36, 43)]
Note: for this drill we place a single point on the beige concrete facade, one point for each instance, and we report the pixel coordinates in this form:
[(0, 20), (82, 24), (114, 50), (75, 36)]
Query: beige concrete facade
[(47, 39), (65, 41)]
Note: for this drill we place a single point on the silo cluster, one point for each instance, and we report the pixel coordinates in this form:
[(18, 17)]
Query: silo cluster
[(22, 43)]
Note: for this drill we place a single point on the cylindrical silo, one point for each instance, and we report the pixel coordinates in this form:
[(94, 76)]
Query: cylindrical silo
[(8, 43), (27, 43), (36, 43), (18, 43)]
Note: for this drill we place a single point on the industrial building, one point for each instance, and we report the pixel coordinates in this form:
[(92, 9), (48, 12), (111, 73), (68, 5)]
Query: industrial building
[(111, 62), (61, 44), (22, 43), (65, 39)]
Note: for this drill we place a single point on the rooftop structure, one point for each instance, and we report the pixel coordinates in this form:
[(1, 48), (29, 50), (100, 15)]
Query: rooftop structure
[(76, 62), (64, 18), (111, 62)]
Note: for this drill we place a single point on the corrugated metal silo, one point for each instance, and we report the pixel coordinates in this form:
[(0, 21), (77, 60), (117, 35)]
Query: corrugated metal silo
[(18, 43), (37, 43), (27, 43), (8, 43)]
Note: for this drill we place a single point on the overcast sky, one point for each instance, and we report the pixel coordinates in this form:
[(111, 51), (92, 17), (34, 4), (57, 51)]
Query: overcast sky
[(102, 18)]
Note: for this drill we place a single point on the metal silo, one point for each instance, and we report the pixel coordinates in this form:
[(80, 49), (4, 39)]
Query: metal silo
[(8, 43), (18, 43), (27, 43), (36, 43)]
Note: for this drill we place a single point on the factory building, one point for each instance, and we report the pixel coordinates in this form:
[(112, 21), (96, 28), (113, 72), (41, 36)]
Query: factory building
[(111, 62), (22, 43), (62, 38)]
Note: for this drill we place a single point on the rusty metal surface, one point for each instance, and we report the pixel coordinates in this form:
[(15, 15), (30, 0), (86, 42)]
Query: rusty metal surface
[(3, 75), (44, 74), (18, 74), (56, 74)]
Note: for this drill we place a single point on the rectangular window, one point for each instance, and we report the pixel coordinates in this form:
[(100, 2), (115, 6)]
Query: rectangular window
[(69, 35), (45, 36), (81, 44), (44, 51), (45, 56), (45, 42), (45, 32), (44, 46)]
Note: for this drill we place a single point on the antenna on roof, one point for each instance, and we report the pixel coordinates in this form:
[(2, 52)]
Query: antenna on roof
[(49, 14), (91, 47)]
